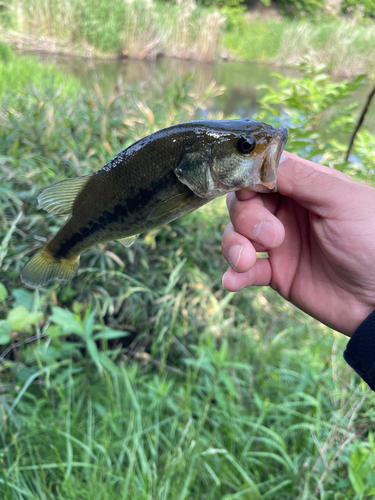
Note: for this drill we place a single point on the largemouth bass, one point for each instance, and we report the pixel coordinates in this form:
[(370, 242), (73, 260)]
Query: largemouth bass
[(154, 181)]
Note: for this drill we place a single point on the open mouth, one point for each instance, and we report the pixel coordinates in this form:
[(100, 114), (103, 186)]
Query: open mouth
[(268, 170)]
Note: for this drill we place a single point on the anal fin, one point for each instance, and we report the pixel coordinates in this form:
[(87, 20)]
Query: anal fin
[(128, 241)]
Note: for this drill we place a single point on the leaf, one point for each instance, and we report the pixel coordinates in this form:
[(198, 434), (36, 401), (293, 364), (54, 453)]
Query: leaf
[(229, 384), (20, 318), (55, 331), (93, 351), (23, 298), (24, 373), (3, 293), (88, 324), (110, 334), (67, 320), (5, 329), (223, 350), (108, 363)]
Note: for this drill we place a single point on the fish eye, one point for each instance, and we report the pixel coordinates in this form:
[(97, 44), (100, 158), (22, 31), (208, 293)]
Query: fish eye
[(245, 146)]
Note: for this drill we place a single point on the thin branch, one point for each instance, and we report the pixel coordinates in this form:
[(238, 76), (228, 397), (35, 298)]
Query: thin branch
[(18, 344), (360, 121)]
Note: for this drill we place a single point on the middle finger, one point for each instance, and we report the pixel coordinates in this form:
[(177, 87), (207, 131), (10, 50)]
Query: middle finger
[(254, 221)]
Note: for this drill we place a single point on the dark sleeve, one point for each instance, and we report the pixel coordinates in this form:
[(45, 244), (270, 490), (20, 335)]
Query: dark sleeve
[(360, 351)]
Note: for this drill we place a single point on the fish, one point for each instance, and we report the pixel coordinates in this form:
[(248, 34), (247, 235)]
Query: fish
[(154, 181)]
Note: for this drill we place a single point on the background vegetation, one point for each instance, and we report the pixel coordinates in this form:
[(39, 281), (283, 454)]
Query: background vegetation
[(143, 378), (203, 31)]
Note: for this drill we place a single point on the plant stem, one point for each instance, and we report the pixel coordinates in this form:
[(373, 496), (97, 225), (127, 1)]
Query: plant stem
[(360, 121)]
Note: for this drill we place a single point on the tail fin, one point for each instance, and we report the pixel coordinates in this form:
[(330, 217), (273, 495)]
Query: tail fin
[(44, 266)]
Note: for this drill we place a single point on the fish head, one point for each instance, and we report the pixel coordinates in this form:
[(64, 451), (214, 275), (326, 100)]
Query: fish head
[(246, 153)]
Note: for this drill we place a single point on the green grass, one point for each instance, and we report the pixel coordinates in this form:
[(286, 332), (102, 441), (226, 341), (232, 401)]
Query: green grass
[(235, 421), (147, 28), (344, 46), (140, 29), (17, 72), (143, 378)]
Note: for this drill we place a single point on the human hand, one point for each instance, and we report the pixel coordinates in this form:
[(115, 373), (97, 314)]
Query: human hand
[(319, 232)]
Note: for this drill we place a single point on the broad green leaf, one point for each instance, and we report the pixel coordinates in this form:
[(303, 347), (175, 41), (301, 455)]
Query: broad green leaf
[(20, 318), (67, 320), (55, 331), (5, 330), (23, 298), (3, 293)]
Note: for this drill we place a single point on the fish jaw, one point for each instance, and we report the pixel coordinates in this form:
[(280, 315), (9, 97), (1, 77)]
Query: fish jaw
[(265, 173)]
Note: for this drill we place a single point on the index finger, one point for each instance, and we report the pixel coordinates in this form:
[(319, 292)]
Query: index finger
[(323, 191), (315, 166)]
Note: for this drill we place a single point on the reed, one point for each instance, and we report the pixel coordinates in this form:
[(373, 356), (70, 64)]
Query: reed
[(346, 47), (144, 29), (140, 29)]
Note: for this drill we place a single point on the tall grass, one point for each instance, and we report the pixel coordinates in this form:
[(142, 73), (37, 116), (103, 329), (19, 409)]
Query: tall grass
[(144, 378), (144, 29), (16, 73), (345, 47), (245, 418), (136, 28)]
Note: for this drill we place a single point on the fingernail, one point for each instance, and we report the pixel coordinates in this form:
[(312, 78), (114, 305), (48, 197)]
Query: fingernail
[(265, 233), (234, 255), (223, 278)]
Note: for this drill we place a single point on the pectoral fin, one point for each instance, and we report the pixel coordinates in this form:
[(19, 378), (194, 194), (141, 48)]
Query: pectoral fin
[(59, 198), (127, 242), (172, 204)]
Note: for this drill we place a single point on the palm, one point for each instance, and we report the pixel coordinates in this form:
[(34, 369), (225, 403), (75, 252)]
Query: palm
[(320, 269), (324, 263)]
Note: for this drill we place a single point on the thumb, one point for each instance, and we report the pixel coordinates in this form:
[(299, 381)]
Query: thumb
[(318, 189)]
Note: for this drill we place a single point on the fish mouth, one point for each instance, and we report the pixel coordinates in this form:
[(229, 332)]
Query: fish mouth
[(265, 178)]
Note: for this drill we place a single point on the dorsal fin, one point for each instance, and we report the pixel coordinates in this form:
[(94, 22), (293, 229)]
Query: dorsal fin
[(59, 198)]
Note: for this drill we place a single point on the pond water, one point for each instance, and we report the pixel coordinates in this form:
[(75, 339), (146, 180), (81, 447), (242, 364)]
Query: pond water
[(240, 79)]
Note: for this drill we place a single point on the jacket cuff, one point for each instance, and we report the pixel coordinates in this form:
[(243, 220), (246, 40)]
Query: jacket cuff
[(360, 351)]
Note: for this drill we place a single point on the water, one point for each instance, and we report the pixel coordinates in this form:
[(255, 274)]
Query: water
[(240, 79)]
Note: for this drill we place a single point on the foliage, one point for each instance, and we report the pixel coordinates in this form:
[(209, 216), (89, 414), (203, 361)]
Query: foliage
[(301, 7), (358, 7), (15, 73), (203, 31), (141, 29), (317, 8), (143, 378), (233, 10), (304, 105), (286, 42), (6, 53)]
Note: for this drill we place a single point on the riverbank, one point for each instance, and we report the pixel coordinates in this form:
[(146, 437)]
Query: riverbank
[(148, 29), (17, 72)]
